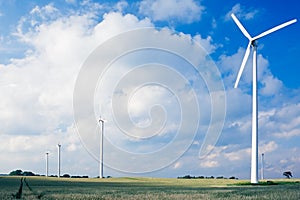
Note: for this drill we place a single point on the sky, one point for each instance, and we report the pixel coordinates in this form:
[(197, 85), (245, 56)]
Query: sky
[(161, 73)]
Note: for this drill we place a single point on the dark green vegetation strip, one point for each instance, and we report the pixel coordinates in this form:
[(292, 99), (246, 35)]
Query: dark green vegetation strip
[(143, 188), (263, 183)]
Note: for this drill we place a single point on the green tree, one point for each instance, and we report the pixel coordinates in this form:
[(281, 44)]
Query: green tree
[(287, 174), (66, 176), (28, 174), (17, 172)]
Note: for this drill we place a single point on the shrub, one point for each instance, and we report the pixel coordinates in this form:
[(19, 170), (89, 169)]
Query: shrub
[(28, 174), (17, 172), (66, 176)]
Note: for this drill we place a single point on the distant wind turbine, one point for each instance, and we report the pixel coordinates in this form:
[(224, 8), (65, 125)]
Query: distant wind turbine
[(47, 165), (252, 43), (101, 121), (58, 170), (262, 166)]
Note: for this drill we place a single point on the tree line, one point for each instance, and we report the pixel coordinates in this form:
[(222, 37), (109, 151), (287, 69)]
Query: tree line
[(204, 177), (19, 172)]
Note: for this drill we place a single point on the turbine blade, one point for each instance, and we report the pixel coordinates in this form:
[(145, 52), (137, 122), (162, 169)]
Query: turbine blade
[(241, 27), (275, 29), (246, 56)]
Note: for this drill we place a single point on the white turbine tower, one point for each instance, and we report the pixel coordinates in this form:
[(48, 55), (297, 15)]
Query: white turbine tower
[(47, 165), (58, 170), (252, 43), (262, 166), (101, 121)]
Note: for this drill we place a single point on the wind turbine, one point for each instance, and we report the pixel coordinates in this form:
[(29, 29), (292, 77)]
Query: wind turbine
[(252, 43), (101, 121), (58, 170), (262, 166), (47, 165)]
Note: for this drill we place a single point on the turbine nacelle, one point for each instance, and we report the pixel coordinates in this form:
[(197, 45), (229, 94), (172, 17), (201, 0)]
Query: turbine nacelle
[(254, 43), (253, 40), (101, 120)]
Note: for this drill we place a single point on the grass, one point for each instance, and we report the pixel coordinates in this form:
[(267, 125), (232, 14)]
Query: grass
[(146, 188)]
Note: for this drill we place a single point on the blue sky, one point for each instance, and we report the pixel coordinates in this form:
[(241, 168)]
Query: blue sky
[(44, 44)]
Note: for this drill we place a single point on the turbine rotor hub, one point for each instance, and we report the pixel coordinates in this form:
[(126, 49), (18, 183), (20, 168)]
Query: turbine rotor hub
[(254, 43)]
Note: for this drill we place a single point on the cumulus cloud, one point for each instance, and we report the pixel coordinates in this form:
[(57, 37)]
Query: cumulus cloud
[(231, 158), (37, 102), (241, 12), (284, 122), (31, 151), (37, 97), (206, 43), (153, 86), (183, 11), (209, 164), (268, 147), (48, 9), (238, 155), (271, 86), (121, 5)]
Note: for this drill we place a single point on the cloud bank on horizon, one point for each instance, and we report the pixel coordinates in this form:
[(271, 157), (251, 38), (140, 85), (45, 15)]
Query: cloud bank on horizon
[(45, 45)]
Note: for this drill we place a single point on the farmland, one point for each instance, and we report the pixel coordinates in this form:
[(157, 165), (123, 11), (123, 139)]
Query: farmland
[(145, 188)]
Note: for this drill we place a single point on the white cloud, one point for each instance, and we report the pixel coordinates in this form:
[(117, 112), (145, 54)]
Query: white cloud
[(271, 86), (214, 24), (167, 98), (268, 147), (38, 92), (241, 13), (115, 23), (231, 152), (184, 11), (72, 147), (241, 105), (209, 164), (40, 103), (288, 134), (48, 9), (281, 122), (71, 1), (283, 161), (121, 5), (237, 155), (206, 43), (31, 149), (177, 165)]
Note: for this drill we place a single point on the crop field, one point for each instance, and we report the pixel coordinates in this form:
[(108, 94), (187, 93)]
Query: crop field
[(145, 188)]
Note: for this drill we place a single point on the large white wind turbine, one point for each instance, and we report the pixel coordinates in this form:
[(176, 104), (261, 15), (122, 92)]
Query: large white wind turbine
[(252, 43)]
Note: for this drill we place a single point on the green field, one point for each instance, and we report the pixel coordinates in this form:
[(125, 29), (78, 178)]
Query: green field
[(145, 188)]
